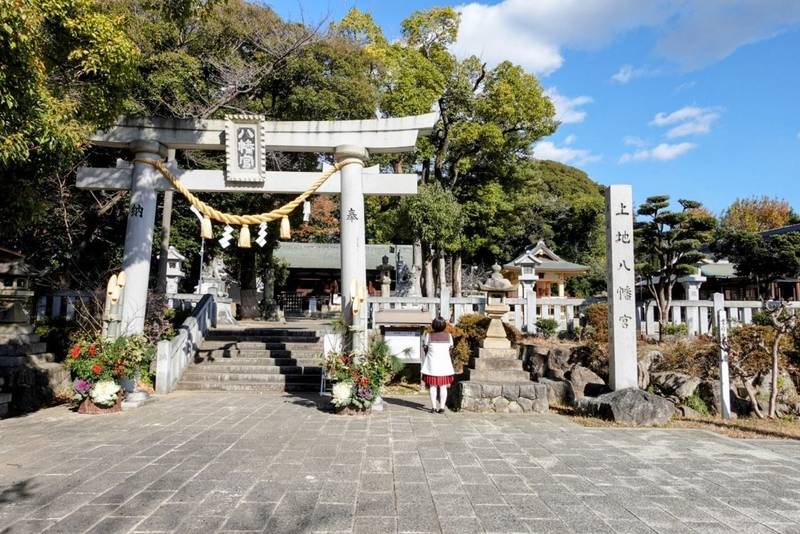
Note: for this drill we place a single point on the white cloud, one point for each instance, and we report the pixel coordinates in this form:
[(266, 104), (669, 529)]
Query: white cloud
[(564, 154), (685, 86), (567, 109), (689, 120), (568, 140), (632, 140), (626, 73), (662, 152), (691, 34)]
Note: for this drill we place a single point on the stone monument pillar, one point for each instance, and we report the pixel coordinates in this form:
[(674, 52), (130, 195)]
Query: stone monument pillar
[(691, 286), (353, 243), (139, 234), (623, 364)]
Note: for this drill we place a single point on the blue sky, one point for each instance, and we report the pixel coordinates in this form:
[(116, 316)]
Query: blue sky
[(695, 99)]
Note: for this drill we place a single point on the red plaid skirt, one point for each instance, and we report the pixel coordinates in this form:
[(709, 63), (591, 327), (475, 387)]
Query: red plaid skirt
[(438, 380)]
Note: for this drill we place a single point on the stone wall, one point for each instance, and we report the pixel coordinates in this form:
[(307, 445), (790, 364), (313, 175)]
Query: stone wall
[(505, 398)]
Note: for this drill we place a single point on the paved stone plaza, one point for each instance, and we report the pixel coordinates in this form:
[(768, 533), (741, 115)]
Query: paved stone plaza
[(209, 462)]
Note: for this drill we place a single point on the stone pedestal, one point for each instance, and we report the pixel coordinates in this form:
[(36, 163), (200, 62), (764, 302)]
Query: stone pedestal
[(691, 286)]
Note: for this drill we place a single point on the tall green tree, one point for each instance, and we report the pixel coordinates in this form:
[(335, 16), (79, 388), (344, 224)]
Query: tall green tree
[(760, 259), (667, 245)]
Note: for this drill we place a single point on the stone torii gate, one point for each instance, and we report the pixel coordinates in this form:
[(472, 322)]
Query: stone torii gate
[(246, 140)]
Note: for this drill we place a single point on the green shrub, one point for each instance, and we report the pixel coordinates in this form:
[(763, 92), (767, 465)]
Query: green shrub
[(468, 334), (672, 329), (697, 404), (547, 327), (761, 318)]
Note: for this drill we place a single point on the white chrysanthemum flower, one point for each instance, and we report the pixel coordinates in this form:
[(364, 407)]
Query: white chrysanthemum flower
[(342, 393), (104, 393)]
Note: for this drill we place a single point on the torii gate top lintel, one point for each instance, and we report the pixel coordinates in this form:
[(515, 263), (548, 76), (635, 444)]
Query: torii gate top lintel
[(389, 135)]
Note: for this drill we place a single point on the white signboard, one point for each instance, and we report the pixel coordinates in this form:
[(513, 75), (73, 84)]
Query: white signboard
[(623, 372), (405, 345)]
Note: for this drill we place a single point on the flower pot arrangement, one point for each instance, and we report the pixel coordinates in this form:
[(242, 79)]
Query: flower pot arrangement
[(98, 366), (359, 377)]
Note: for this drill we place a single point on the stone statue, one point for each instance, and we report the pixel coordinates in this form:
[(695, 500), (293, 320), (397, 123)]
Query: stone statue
[(214, 277)]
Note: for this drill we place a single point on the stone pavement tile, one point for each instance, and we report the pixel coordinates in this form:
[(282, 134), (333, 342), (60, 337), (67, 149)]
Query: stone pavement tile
[(473, 475), (437, 465), (114, 524), (529, 507), (289, 523), (445, 483), (417, 519), (406, 458), (249, 516), (340, 472), (376, 482), (217, 503), (548, 526), (172, 480), (194, 491), (628, 526), (61, 506), (143, 503), (461, 525), (332, 518), (81, 519), (510, 484), (266, 491), (413, 493), (375, 504), (377, 465), (560, 498), (298, 502), (497, 467), (449, 505), (166, 517), (195, 524), (409, 473), (339, 492), (581, 519), (375, 525), (499, 518), (785, 528), (608, 507), (27, 526), (483, 494), (461, 459)]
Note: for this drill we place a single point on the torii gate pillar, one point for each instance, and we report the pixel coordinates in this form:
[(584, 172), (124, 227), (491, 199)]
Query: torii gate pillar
[(139, 234), (352, 242)]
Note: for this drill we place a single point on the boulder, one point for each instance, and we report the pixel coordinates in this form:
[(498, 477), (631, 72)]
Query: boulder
[(537, 365), (500, 404), (786, 390), (558, 363), (709, 391), (630, 405), (557, 391), (689, 413), (680, 385), (580, 377)]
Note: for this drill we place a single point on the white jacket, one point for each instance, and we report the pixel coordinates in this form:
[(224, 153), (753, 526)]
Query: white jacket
[(437, 360)]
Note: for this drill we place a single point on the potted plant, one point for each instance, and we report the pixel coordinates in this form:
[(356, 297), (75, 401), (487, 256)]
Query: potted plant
[(99, 366), (359, 377)]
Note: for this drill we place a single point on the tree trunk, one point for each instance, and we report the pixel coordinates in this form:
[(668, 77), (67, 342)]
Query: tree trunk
[(430, 289), (773, 395), (417, 289), (457, 274), (442, 273), (166, 228), (247, 279), (751, 395)]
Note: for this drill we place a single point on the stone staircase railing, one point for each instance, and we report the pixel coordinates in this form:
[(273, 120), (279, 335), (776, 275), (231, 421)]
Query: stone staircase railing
[(174, 355)]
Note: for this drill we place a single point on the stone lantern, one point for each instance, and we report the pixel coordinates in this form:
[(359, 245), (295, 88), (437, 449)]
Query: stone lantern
[(385, 276), (16, 280), (174, 270), (497, 289)]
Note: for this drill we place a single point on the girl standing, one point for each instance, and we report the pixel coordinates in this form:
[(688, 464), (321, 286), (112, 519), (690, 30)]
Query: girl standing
[(437, 368)]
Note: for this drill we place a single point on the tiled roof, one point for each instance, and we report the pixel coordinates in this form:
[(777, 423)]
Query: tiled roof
[(328, 255)]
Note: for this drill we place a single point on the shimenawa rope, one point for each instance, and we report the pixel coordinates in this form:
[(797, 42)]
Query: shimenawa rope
[(210, 213)]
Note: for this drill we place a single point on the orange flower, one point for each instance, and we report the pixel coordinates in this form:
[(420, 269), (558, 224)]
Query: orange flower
[(92, 350), (75, 351), (97, 368)]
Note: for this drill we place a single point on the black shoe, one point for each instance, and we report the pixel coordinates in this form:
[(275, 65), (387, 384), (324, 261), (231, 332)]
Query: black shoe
[(440, 410), (433, 410)]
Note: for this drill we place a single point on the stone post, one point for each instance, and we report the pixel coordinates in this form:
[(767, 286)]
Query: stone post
[(353, 243), (139, 235), (721, 325), (691, 286), (623, 365)]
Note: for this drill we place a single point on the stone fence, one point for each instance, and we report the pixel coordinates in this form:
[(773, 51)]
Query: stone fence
[(569, 312), (173, 355)]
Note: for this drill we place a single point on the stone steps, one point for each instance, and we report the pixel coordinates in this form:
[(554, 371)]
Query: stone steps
[(27, 359), (496, 364), (261, 359), (498, 376), (19, 339), (494, 354)]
